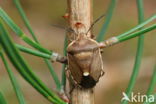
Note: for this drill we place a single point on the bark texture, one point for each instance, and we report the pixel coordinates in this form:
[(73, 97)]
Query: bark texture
[(80, 18), (82, 96)]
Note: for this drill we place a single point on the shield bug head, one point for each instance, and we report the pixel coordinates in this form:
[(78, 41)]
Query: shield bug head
[(84, 61)]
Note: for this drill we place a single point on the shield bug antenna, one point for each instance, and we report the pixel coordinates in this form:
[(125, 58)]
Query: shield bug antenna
[(95, 22)]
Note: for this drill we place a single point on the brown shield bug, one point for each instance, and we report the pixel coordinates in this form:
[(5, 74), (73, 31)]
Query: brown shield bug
[(84, 61)]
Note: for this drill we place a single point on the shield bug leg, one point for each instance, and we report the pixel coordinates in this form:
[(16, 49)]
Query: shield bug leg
[(72, 82), (70, 79), (68, 75), (73, 85), (62, 94), (67, 71), (102, 73)]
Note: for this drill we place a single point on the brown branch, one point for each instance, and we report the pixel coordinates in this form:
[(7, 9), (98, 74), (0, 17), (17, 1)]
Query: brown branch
[(80, 18)]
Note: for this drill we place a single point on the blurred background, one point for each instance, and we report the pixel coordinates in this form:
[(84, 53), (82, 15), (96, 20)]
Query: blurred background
[(118, 59)]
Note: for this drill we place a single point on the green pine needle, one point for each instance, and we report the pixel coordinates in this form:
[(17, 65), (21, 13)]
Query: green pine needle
[(25, 20), (27, 24), (2, 99), (33, 52), (23, 68), (138, 55), (105, 26), (64, 65), (135, 34), (152, 86), (142, 24), (20, 33), (14, 82)]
